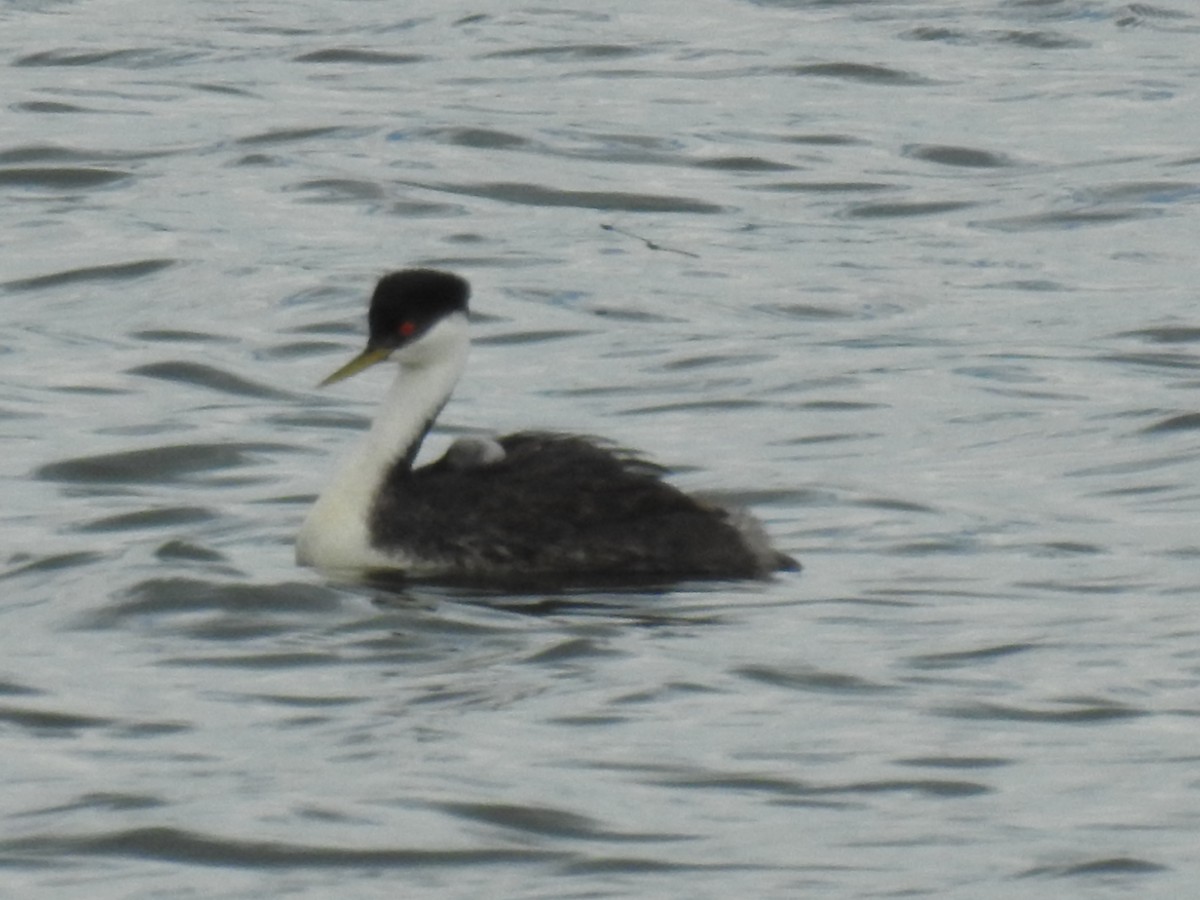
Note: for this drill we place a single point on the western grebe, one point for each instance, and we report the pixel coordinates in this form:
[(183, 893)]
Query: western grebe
[(528, 506)]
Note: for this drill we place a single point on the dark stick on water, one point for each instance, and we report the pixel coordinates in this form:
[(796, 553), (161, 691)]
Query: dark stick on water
[(649, 243)]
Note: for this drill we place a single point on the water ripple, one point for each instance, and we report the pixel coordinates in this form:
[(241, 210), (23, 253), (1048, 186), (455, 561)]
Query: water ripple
[(43, 720), (159, 465), (359, 57), (1182, 422), (870, 74), (186, 597), (207, 377), (107, 272), (1106, 866), (567, 52), (199, 849), (60, 177), (553, 823), (964, 157), (806, 679), (528, 194), (1071, 712), (127, 58)]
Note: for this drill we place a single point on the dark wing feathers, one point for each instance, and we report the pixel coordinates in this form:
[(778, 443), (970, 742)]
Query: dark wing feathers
[(559, 504)]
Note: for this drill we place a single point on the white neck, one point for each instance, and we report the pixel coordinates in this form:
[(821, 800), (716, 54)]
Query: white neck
[(336, 533)]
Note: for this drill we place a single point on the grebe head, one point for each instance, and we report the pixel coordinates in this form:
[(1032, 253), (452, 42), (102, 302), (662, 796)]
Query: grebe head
[(418, 315)]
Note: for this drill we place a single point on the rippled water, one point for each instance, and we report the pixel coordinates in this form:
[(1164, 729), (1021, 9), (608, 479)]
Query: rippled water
[(916, 281)]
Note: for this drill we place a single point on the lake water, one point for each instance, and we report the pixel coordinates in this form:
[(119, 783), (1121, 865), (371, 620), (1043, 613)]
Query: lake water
[(916, 281)]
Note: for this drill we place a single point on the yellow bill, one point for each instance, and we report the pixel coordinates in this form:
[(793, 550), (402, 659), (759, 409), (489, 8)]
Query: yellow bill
[(364, 360)]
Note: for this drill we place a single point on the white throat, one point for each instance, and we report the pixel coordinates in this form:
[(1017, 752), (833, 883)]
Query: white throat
[(336, 534)]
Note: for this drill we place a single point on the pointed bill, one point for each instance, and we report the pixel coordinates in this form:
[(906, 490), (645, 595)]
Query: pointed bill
[(364, 360)]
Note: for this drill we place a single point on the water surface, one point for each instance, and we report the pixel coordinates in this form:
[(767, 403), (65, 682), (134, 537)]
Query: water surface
[(916, 283)]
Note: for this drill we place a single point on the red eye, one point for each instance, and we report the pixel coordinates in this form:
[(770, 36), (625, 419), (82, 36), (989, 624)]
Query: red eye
[(406, 329)]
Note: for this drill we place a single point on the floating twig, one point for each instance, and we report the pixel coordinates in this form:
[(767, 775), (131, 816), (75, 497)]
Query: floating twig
[(650, 245)]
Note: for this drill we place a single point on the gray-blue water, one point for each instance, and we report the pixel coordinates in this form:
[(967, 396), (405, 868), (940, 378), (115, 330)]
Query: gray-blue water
[(914, 280)]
